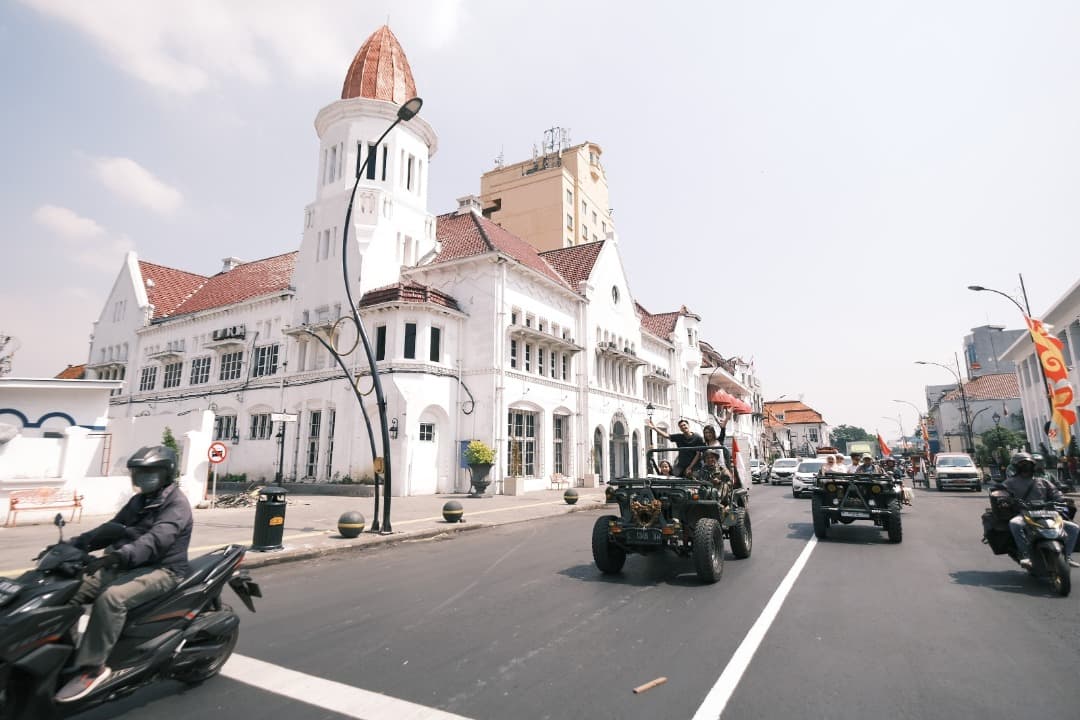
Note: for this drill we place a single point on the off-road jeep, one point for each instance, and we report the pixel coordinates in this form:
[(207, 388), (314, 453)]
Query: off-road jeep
[(844, 498), (690, 517)]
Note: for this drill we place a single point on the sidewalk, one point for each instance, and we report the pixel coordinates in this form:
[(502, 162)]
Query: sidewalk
[(311, 524)]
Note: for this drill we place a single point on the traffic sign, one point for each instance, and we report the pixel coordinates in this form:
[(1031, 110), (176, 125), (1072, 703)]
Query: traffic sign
[(217, 452), (283, 417)]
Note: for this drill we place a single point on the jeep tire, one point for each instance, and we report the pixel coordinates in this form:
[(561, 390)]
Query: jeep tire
[(741, 536), (608, 556), (893, 523), (708, 550), (821, 521)]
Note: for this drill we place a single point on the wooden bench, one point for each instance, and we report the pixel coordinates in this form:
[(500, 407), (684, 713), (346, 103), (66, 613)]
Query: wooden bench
[(558, 480), (42, 499)]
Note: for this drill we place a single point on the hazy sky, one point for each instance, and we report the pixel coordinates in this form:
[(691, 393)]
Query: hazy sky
[(820, 181)]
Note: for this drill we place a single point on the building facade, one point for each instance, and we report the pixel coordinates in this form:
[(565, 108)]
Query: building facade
[(983, 349)]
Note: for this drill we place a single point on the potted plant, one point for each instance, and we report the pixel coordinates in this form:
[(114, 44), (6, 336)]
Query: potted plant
[(479, 457)]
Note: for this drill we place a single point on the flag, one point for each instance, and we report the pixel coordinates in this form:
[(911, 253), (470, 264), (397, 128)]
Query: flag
[(885, 452), (1059, 389)]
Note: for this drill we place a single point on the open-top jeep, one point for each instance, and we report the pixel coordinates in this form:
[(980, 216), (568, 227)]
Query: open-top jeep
[(845, 498), (690, 517)]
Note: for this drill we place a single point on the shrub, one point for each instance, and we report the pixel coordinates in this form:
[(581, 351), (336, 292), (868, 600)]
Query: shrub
[(477, 453)]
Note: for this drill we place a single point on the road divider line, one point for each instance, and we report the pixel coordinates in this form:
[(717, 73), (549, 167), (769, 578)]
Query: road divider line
[(717, 699), (327, 694)]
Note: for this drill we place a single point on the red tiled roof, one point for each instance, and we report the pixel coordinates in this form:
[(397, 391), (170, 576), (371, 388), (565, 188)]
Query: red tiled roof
[(795, 417), (574, 263), (794, 412), (467, 234), (409, 292), (72, 372), (380, 70), (245, 281), (167, 287), (661, 325), (988, 387)]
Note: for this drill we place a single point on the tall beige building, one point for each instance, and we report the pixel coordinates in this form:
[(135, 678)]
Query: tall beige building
[(557, 199)]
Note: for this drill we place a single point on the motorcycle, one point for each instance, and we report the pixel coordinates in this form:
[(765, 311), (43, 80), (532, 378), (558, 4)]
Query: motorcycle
[(186, 635), (1044, 526)]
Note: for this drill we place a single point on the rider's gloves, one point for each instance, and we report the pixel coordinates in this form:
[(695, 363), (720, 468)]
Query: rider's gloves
[(108, 560)]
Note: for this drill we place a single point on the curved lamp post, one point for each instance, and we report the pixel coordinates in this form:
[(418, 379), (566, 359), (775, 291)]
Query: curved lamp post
[(1025, 310), (963, 396), (405, 113)]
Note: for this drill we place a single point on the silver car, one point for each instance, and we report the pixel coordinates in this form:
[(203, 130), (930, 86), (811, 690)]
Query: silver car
[(782, 471), (805, 478)]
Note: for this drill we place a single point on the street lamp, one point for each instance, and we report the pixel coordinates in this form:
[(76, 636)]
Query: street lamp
[(963, 396), (899, 424), (405, 113), (996, 418), (1025, 310)]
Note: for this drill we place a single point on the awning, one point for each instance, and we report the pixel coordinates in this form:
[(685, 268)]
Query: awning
[(742, 407), (722, 398)]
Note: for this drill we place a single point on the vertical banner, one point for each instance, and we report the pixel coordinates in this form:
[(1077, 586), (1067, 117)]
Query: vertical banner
[(885, 452), (1057, 376)]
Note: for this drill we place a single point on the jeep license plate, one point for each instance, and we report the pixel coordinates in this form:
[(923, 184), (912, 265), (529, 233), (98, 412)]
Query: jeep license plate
[(854, 514), (643, 535)]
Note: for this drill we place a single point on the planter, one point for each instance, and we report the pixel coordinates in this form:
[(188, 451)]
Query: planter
[(589, 480), (514, 486), (341, 489), (479, 477)]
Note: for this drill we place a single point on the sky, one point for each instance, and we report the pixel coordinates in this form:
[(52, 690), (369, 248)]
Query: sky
[(819, 181)]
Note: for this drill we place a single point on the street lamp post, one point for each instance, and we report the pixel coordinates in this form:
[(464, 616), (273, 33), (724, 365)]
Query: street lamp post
[(1025, 310), (406, 112), (963, 396), (900, 424), (918, 416)]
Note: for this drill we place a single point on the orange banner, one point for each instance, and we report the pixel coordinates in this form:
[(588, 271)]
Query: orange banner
[(1057, 377)]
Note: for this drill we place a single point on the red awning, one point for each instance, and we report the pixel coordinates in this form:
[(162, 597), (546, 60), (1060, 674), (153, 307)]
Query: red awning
[(742, 407), (722, 398)]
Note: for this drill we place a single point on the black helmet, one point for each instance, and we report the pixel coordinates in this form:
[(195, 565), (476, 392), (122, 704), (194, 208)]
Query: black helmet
[(152, 468), (1023, 463)]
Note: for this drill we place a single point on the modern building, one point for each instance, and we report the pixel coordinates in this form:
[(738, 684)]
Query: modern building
[(983, 349), (476, 334), (557, 199)]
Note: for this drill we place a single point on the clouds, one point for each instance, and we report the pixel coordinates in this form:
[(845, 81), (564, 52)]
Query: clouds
[(85, 241), (130, 181), (190, 50)]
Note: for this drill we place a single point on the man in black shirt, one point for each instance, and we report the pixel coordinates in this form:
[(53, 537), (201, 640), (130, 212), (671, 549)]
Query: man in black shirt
[(684, 464)]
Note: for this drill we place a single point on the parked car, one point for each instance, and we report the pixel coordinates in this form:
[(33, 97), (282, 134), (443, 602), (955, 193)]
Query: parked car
[(781, 471), (758, 469), (956, 470), (805, 478)]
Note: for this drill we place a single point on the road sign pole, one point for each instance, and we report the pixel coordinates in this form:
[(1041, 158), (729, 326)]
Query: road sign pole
[(213, 497)]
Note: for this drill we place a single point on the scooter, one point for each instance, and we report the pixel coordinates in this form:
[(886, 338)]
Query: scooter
[(1044, 526), (186, 635)]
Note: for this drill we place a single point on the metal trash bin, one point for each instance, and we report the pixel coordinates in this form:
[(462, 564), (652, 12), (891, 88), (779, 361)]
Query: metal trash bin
[(269, 519)]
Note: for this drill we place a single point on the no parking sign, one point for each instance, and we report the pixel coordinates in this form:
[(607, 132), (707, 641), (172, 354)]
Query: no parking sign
[(217, 452)]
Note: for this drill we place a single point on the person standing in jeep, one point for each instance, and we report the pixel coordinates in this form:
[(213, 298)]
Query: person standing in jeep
[(148, 561), (687, 459)]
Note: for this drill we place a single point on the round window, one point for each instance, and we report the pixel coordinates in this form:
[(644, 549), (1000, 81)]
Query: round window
[(615, 294)]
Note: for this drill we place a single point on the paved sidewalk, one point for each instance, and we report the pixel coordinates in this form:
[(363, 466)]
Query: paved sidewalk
[(311, 524)]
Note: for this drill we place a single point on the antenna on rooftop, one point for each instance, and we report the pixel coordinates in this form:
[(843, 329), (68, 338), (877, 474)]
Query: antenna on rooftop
[(8, 346), (500, 159)]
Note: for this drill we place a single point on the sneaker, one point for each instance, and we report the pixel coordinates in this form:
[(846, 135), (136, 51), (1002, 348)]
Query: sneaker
[(1074, 563), (1025, 563), (83, 684)]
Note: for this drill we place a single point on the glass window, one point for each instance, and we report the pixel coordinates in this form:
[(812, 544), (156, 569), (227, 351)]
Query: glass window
[(200, 371), (371, 160), (380, 342), (528, 357), (521, 444), (513, 354), (230, 365), (173, 373), (552, 366), (569, 197), (266, 360), (427, 432), (148, 378), (436, 338), (410, 340), (261, 427), (331, 420), (311, 466), (540, 360), (569, 221), (558, 432), (224, 427), (565, 367)]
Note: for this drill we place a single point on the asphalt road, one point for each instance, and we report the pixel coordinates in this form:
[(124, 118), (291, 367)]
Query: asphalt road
[(516, 622)]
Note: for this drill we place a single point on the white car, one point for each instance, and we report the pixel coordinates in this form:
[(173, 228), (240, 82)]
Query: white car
[(956, 470), (757, 470), (782, 470), (805, 478)]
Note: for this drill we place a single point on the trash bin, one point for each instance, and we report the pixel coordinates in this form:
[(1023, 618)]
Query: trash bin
[(269, 519)]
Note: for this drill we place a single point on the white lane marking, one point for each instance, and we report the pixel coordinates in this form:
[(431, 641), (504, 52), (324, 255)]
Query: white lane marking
[(717, 699), (327, 694)]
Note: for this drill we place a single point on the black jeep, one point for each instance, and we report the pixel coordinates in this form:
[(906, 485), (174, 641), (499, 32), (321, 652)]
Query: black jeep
[(845, 498), (690, 517)]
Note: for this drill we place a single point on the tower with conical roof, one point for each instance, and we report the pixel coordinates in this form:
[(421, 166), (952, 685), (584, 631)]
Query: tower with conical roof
[(391, 227)]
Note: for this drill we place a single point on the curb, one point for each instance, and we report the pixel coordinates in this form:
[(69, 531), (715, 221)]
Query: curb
[(369, 541)]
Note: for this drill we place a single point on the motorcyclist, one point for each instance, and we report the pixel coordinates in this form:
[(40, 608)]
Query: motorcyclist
[(1022, 483), (148, 561)]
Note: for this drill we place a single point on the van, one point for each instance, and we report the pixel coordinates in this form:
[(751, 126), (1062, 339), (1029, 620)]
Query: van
[(957, 470)]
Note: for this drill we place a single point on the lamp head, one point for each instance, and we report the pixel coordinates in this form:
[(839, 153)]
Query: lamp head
[(649, 409), (410, 109), (393, 429), (976, 288)]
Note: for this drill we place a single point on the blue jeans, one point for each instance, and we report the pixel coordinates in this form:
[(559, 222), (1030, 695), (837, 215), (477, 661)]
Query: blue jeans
[(1016, 525)]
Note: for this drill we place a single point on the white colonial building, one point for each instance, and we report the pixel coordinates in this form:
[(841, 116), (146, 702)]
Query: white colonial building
[(476, 335)]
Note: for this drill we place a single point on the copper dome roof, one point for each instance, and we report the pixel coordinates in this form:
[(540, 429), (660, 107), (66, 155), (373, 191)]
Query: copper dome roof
[(380, 70)]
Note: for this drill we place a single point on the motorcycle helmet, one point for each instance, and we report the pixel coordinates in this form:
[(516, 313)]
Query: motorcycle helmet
[(152, 468), (1023, 464)]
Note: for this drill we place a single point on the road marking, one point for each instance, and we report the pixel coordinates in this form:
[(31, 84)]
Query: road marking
[(327, 694), (717, 699)]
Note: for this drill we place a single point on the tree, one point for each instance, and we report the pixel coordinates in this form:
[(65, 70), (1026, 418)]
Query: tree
[(169, 441), (843, 434), (997, 445)]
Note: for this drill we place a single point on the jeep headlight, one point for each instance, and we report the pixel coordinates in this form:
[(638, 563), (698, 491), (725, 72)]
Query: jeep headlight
[(876, 489)]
